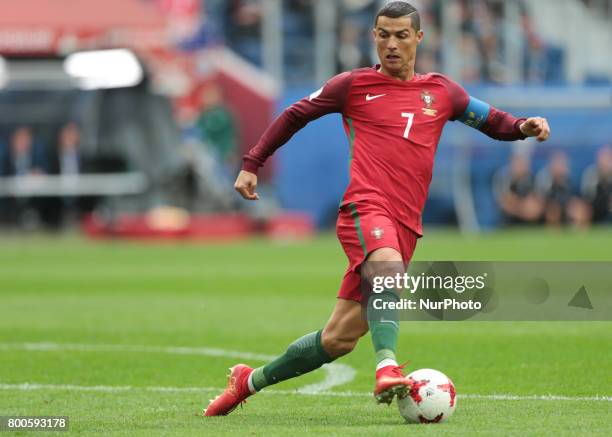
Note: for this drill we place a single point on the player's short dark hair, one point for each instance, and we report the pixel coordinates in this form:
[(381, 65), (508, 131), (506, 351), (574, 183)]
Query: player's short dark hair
[(397, 9)]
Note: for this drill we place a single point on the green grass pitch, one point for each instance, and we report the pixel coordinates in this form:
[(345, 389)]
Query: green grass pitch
[(134, 338)]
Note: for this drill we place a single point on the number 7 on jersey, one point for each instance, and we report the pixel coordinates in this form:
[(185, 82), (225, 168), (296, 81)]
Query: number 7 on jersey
[(410, 117)]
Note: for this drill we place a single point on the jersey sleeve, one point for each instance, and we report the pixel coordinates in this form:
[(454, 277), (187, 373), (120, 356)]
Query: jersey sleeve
[(480, 115), (503, 126), (329, 99), (458, 97)]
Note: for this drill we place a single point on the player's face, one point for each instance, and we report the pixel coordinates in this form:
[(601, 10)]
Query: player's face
[(396, 44)]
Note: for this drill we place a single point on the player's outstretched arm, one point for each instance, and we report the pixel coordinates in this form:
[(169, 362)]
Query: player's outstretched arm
[(536, 127), (491, 121), (246, 184), (329, 99)]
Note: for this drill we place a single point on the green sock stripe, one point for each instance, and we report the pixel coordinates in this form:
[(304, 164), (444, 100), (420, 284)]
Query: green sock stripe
[(349, 122), (355, 215), (385, 354)]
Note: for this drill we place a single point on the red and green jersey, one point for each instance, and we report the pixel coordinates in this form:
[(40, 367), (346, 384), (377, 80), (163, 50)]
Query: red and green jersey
[(393, 129)]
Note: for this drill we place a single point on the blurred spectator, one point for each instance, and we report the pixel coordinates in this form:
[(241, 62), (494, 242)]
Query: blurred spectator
[(66, 159), (473, 65), (4, 156), (24, 156), (5, 204), (298, 34), (429, 56), (243, 30), (561, 204), (483, 21), (597, 186), (187, 25), (350, 55), (218, 127), (600, 6), (354, 34), (516, 193), (212, 155)]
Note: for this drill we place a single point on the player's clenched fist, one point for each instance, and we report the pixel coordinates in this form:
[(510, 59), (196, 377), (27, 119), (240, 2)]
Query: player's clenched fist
[(536, 127), (246, 185)]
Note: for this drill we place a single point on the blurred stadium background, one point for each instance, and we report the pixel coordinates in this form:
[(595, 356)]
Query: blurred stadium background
[(129, 117)]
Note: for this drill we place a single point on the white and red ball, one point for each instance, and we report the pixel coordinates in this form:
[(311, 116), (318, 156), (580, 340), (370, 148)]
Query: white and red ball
[(431, 399)]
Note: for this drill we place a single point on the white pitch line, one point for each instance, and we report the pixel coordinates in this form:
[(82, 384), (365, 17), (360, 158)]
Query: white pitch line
[(507, 397), (335, 374), (174, 350), (344, 394), (338, 374)]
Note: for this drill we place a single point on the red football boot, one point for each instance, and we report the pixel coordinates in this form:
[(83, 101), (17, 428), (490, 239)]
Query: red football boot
[(235, 393), (390, 381)]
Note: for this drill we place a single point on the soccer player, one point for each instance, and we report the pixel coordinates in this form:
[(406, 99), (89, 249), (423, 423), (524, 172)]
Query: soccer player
[(393, 119)]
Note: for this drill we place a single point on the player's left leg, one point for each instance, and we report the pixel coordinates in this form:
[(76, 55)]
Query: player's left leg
[(377, 246), (384, 323)]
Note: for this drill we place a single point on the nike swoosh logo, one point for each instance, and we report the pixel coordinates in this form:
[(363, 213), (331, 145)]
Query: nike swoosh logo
[(389, 321), (370, 98)]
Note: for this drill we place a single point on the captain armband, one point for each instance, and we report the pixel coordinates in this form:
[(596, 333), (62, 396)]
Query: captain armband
[(476, 113)]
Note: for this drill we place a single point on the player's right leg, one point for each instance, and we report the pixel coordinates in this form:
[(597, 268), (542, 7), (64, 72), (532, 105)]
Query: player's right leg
[(302, 356), (340, 335)]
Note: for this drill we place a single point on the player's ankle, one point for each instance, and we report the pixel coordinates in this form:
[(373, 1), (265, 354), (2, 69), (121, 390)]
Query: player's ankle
[(386, 363), (251, 385)]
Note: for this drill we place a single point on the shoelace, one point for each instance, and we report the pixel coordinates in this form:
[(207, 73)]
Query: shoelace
[(404, 365), (398, 369)]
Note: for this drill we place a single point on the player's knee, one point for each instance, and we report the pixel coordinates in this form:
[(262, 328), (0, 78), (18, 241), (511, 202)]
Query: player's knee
[(384, 262)]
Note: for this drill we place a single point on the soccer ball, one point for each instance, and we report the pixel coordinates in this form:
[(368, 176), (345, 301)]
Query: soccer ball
[(431, 398)]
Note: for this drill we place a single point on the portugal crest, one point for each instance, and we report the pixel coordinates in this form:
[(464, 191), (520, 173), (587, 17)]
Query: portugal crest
[(377, 233), (429, 101)]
